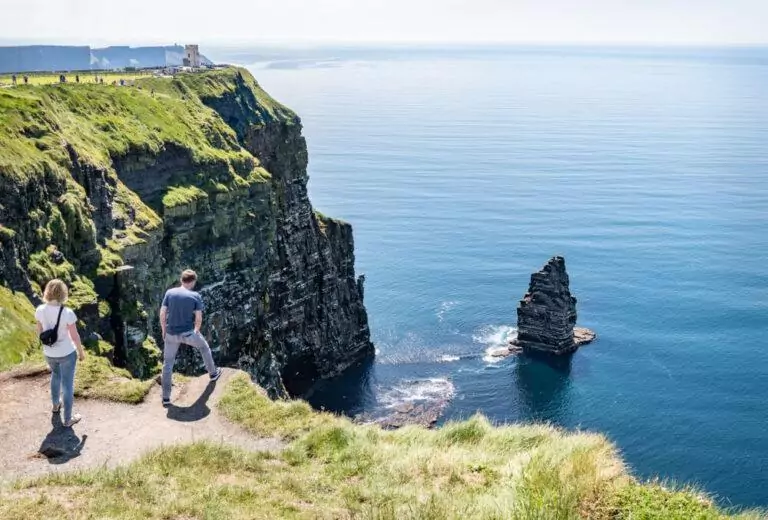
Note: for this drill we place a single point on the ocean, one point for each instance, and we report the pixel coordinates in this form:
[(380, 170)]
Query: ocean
[(463, 170)]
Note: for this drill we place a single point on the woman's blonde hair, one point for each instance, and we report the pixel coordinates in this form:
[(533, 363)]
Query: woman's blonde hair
[(56, 291)]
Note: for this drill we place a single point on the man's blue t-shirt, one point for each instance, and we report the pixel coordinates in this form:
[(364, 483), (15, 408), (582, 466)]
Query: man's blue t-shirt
[(182, 304)]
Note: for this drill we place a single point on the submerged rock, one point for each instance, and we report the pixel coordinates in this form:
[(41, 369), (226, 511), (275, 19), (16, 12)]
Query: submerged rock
[(420, 402), (422, 414), (546, 316)]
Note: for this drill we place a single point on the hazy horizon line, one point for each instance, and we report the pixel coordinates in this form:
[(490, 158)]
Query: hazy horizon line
[(14, 42)]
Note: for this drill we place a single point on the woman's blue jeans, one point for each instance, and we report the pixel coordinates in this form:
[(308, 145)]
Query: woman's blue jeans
[(63, 381)]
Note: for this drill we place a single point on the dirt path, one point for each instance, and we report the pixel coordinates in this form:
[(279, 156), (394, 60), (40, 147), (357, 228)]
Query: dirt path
[(110, 433)]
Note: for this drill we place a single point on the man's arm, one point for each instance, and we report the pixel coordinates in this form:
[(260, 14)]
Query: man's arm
[(163, 313), (198, 320)]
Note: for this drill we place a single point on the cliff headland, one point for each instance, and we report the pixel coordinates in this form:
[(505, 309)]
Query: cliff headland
[(115, 189), (47, 58)]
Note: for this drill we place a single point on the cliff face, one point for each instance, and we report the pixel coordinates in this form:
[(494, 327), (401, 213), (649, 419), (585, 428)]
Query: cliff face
[(44, 58), (546, 315), (122, 56), (204, 171)]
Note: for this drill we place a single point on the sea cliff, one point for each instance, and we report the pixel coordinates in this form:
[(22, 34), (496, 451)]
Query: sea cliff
[(116, 189)]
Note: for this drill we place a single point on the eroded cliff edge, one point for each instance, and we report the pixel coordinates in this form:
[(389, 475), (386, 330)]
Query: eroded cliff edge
[(117, 189)]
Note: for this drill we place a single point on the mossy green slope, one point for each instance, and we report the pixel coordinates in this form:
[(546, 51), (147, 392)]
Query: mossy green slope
[(105, 122), (18, 339), (45, 130), (55, 139)]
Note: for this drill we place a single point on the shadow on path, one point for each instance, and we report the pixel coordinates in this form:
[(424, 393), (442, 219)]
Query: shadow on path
[(61, 444), (196, 411)]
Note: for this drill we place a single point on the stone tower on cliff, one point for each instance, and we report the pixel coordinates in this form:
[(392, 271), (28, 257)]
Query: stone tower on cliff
[(546, 316), (192, 56)]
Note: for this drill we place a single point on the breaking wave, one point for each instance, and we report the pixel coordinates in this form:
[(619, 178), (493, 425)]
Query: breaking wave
[(495, 338), (417, 391)]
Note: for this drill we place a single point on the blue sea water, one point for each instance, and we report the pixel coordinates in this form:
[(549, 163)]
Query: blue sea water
[(464, 170)]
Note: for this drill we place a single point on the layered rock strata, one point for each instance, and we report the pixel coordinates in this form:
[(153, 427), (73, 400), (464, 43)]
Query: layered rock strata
[(124, 188), (546, 316)]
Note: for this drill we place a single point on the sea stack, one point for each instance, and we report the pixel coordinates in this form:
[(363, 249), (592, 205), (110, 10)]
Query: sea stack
[(546, 316)]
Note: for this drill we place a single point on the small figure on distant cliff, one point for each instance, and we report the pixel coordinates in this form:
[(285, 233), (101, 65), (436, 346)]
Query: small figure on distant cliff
[(26, 80), (181, 316), (57, 328), (546, 315), (77, 78), (13, 79)]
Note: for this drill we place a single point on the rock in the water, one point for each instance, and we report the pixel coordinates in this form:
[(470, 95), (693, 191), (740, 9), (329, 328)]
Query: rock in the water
[(582, 336), (423, 414), (546, 315)]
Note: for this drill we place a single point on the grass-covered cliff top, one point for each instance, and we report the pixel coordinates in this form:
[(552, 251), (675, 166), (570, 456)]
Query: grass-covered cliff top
[(159, 143), (331, 468), (103, 122)]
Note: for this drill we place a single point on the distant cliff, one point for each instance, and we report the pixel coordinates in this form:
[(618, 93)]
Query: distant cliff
[(44, 58), (34, 58), (204, 171), (120, 57)]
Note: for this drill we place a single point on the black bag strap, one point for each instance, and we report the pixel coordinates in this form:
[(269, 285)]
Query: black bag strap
[(58, 319)]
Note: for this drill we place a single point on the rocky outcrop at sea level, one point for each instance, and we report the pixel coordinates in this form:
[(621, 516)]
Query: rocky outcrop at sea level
[(546, 316)]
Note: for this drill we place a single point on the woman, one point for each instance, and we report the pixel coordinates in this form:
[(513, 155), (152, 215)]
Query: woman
[(62, 355)]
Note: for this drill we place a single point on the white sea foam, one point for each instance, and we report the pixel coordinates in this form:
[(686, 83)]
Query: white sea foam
[(445, 307), (447, 358), (417, 390), (496, 339)]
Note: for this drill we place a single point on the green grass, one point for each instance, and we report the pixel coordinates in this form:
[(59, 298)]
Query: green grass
[(18, 337), (96, 378), (21, 351), (247, 405), (463, 470), (654, 500), (181, 195), (102, 124), (334, 469), (50, 132), (86, 77)]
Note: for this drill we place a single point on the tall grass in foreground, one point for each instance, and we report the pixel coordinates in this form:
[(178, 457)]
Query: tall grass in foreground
[(334, 469)]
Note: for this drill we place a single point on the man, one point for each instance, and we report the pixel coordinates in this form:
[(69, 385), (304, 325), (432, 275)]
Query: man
[(181, 317)]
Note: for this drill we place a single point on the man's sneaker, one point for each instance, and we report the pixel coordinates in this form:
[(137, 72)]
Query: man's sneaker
[(216, 374), (166, 403)]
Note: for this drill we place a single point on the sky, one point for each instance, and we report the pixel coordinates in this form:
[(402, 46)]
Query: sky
[(142, 22)]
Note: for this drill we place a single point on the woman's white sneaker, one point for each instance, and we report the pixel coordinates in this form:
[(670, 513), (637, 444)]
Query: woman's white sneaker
[(74, 420)]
